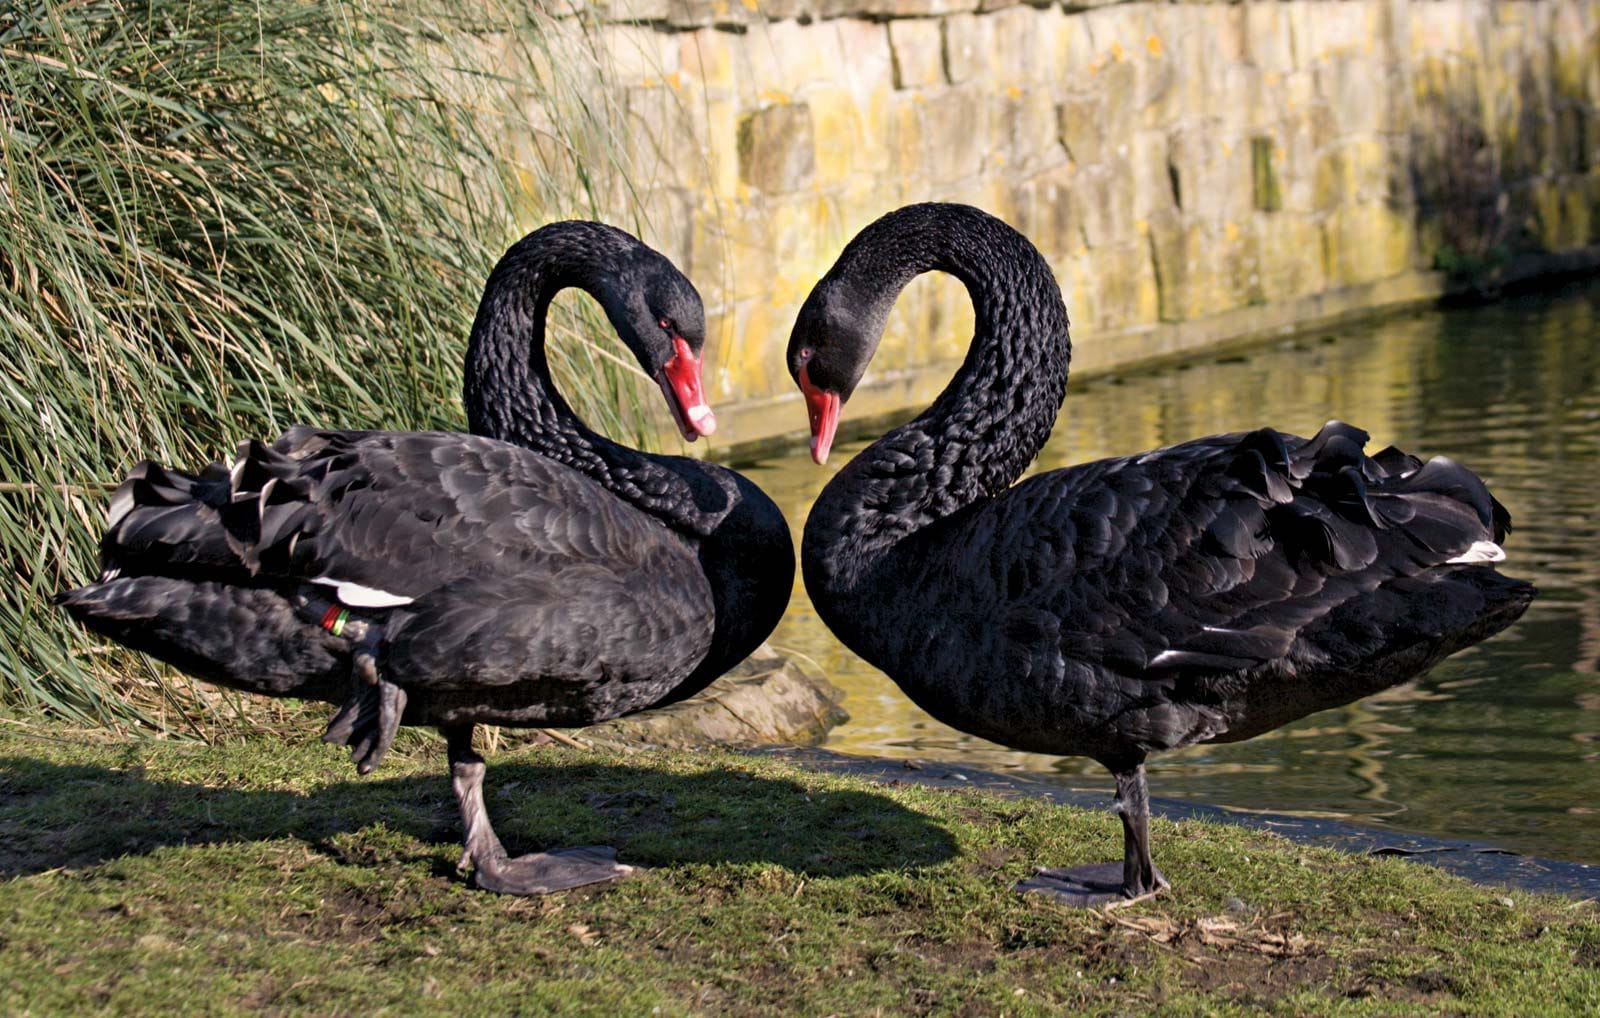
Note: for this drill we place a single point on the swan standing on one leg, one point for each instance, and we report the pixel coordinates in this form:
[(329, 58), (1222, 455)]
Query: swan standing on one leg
[(1205, 592), (531, 573)]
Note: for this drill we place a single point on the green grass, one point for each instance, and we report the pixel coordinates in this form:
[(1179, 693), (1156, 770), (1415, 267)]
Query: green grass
[(220, 218), (150, 876)]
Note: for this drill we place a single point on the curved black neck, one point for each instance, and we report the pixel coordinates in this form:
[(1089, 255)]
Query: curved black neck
[(990, 421), (508, 391)]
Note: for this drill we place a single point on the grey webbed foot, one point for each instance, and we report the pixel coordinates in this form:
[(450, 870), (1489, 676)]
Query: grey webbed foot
[(548, 872), (1080, 886), (1132, 879), (493, 870), (1092, 885), (369, 751), (368, 721)]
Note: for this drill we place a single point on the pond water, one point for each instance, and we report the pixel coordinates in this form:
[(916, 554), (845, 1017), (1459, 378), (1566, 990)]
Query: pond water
[(1501, 742)]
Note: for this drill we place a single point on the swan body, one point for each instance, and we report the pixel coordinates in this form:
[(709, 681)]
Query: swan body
[(531, 573), (1208, 591)]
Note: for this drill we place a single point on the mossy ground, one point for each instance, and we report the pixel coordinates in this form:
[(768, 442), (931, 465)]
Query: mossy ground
[(161, 877)]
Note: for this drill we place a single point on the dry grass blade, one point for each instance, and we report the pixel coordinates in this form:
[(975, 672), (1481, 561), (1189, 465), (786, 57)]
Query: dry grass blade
[(1219, 932), (563, 738)]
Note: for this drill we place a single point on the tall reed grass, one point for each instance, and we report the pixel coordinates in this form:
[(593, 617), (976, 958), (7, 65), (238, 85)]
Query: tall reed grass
[(219, 218)]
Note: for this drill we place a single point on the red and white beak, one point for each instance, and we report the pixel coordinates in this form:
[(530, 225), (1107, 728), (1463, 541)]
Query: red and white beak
[(822, 407), (680, 383)]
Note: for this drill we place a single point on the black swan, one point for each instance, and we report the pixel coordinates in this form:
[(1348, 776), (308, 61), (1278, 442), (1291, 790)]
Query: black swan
[(1208, 591), (530, 573)]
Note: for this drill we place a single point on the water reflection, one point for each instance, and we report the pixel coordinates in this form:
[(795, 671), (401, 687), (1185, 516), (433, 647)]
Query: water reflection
[(1501, 742)]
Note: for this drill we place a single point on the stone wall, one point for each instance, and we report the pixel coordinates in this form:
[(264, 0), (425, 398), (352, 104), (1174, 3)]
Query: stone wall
[(1193, 171)]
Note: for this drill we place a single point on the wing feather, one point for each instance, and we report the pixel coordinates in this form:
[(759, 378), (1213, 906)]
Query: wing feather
[(1219, 554)]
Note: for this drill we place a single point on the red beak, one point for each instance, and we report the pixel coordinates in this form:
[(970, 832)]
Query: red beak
[(680, 383), (822, 407)]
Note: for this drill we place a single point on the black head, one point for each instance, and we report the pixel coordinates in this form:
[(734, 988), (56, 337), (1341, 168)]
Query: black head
[(841, 322), (833, 341), (659, 316)]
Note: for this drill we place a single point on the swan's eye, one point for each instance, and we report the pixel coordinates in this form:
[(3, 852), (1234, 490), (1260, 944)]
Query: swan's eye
[(665, 323), (805, 354)]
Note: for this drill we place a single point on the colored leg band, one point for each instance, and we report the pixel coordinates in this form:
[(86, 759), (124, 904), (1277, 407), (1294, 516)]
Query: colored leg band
[(335, 619)]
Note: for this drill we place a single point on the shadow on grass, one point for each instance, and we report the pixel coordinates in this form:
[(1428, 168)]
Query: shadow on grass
[(63, 816)]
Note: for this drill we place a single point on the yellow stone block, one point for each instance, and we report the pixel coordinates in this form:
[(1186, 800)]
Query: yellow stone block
[(1214, 32), (1563, 212), (753, 365), (1195, 270), (1016, 56), (788, 56), (1324, 29), (864, 46), (721, 377), (1066, 49), (1240, 268), (706, 57), (803, 252), (635, 52), (1026, 132), (932, 323), (1081, 126), (730, 252), (969, 48), (1105, 197), (1356, 171), (906, 331), (1366, 242), (1146, 295), (917, 46), (845, 145), (955, 126), (1266, 33), (1073, 275), (1121, 281), (1291, 255), (668, 219), (1148, 153), (716, 130), (651, 125), (1572, 51), (1044, 212), (1437, 28), (903, 135), (1238, 88)]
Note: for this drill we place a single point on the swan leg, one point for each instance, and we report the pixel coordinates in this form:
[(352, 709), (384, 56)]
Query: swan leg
[(1139, 874), (369, 719), (493, 870), (1106, 883)]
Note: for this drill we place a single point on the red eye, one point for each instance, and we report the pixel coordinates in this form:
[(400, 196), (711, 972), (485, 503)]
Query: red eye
[(665, 323)]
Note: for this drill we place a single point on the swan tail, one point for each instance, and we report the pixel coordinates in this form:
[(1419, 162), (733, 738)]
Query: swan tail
[(273, 502), (1345, 511), (221, 523), (162, 520)]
